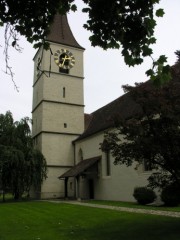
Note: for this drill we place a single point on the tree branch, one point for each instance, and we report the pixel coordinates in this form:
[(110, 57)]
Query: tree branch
[(11, 39)]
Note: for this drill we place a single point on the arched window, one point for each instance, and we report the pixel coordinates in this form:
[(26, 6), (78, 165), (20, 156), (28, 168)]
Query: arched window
[(107, 163)]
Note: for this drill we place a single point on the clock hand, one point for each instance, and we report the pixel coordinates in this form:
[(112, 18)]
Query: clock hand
[(68, 58), (64, 59)]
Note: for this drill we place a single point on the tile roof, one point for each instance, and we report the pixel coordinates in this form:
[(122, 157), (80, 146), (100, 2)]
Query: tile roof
[(80, 167), (60, 32), (106, 117)]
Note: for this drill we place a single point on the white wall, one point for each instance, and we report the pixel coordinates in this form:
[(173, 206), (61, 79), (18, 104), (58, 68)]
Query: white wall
[(122, 181)]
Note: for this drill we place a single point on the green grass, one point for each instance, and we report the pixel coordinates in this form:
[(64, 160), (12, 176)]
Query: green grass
[(134, 205), (51, 221)]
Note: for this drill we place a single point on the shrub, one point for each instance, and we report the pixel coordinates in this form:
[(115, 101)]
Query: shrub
[(144, 195), (170, 195)]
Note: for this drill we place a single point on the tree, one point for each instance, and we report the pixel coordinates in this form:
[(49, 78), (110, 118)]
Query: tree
[(113, 24), (152, 134), (21, 166)]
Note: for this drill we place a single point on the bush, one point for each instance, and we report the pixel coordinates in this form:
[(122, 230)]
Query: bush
[(170, 195), (144, 195)]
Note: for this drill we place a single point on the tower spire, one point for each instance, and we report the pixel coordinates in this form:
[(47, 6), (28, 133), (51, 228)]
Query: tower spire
[(60, 32)]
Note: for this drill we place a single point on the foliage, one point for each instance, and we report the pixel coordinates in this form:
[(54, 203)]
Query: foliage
[(21, 166), (170, 195), (144, 195), (37, 15), (113, 24), (151, 133)]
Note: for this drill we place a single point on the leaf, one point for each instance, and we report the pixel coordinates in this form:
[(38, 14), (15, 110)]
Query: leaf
[(162, 59), (46, 45), (152, 40), (147, 51), (13, 43), (160, 12), (138, 61), (149, 72), (85, 10), (74, 7), (37, 45), (155, 1)]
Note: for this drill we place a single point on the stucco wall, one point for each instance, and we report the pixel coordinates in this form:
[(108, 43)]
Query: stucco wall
[(53, 187), (122, 180), (58, 149), (55, 115)]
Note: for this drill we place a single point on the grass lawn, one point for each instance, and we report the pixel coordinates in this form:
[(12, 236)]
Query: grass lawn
[(51, 221)]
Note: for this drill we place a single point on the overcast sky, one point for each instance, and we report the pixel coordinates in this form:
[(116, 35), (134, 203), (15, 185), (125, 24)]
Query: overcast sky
[(104, 71)]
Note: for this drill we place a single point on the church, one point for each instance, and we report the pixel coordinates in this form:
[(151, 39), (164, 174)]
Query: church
[(70, 139)]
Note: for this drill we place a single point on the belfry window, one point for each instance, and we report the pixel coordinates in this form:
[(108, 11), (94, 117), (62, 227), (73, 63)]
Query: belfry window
[(62, 70)]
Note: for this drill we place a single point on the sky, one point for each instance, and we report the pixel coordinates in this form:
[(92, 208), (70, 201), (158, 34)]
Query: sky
[(104, 71)]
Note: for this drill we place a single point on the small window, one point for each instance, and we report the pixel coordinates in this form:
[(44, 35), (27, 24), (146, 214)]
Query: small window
[(108, 166), (64, 92), (65, 125)]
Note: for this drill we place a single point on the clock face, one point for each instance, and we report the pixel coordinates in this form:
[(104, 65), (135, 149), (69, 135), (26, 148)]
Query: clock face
[(64, 59)]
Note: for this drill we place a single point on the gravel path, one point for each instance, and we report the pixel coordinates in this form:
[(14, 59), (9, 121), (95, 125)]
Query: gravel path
[(123, 209)]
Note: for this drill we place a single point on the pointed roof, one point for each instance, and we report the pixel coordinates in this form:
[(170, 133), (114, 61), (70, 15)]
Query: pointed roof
[(60, 32)]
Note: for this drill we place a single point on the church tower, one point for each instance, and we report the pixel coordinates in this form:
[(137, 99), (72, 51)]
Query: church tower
[(58, 104)]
